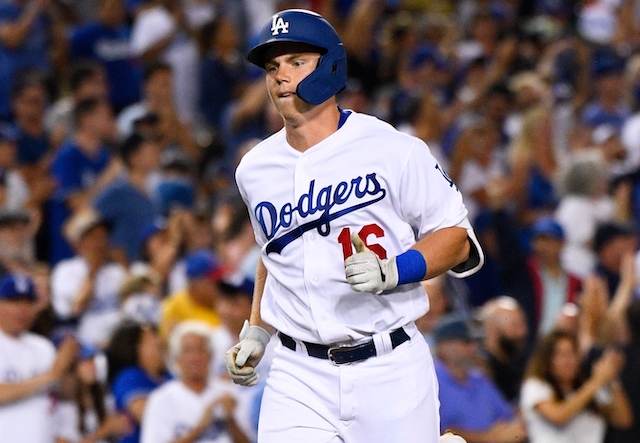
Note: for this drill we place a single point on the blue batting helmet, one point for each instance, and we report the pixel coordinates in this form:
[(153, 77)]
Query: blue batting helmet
[(302, 26)]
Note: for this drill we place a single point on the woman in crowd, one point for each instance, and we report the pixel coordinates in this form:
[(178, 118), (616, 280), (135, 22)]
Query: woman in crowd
[(136, 367), (561, 404)]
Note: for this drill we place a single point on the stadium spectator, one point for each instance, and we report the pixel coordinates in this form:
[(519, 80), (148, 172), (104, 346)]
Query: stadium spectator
[(140, 297), (161, 34), (559, 403), (209, 406), (29, 368), (629, 377), (136, 367), (438, 306), (553, 287), (470, 404), (198, 301), (27, 41), (505, 344), (157, 92), (107, 40), (17, 231), (81, 168), (85, 287), (86, 80), (126, 203)]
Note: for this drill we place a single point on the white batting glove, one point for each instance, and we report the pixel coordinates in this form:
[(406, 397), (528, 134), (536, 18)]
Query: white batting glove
[(242, 359), (450, 437), (366, 272)]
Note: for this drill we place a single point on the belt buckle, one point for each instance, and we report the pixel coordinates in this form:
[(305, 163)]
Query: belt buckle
[(337, 348)]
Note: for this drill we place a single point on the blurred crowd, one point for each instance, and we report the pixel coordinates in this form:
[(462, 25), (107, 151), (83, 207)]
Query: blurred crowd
[(127, 257)]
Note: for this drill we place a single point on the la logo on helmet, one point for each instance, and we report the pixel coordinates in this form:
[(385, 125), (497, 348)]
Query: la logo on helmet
[(279, 25)]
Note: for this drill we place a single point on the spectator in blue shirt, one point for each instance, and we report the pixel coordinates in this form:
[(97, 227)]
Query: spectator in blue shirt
[(107, 41), (136, 367), (24, 43), (82, 168), (127, 204), (470, 404)]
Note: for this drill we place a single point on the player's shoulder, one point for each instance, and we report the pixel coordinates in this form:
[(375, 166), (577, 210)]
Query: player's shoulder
[(267, 149), (372, 126)]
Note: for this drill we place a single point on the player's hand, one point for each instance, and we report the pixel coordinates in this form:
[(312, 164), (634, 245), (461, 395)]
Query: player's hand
[(242, 359), (366, 272)]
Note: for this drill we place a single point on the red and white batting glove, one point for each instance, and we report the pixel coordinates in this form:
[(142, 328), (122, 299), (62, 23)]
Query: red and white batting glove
[(242, 359), (366, 272)]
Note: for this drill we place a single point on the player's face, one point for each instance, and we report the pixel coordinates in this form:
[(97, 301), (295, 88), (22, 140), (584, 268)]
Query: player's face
[(284, 72)]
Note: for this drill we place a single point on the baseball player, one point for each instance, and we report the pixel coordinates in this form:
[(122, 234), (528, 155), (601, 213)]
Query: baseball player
[(350, 215)]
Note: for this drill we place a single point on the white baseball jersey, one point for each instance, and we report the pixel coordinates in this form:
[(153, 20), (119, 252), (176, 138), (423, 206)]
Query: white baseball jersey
[(366, 178), (30, 419), (102, 315), (164, 422)]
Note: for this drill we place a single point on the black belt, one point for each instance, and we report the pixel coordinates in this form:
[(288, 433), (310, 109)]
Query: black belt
[(344, 354)]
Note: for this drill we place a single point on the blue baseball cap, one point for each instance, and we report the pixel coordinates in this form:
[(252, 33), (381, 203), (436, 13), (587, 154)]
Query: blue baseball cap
[(17, 287), (454, 327), (548, 227), (203, 265)]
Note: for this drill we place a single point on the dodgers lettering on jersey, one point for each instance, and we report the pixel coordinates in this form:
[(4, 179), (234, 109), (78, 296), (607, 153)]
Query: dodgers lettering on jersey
[(366, 178), (367, 190)]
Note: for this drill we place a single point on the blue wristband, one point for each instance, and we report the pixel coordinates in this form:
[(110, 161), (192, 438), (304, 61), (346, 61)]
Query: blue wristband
[(412, 267)]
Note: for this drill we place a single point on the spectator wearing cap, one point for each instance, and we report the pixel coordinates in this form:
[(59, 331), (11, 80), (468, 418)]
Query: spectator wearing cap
[(553, 287), (85, 287), (81, 168), (197, 302), (126, 204), (470, 403), (29, 366), (608, 105), (584, 205), (107, 41)]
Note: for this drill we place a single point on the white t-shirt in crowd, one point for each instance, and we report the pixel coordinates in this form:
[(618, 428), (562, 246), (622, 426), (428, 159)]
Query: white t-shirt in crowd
[(29, 420), (163, 422), (585, 427), (580, 217), (102, 314)]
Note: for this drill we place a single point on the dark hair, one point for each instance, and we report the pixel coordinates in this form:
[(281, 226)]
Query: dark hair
[(122, 351), (82, 71), (130, 146), (153, 68), (206, 33), (539, 365), (25, 79), (633, 320), (97, 399), (84, 108)]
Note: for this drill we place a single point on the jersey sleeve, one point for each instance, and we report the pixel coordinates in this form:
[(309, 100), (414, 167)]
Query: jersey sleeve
[(66, 172), (533, 392), (440, 204)]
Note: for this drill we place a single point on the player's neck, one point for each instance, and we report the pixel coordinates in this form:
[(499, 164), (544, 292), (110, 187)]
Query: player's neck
[(314, 126)]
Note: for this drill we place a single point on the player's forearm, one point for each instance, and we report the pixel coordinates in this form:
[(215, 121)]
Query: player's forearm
[(10, 392), (255, 318), (443, 249)]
